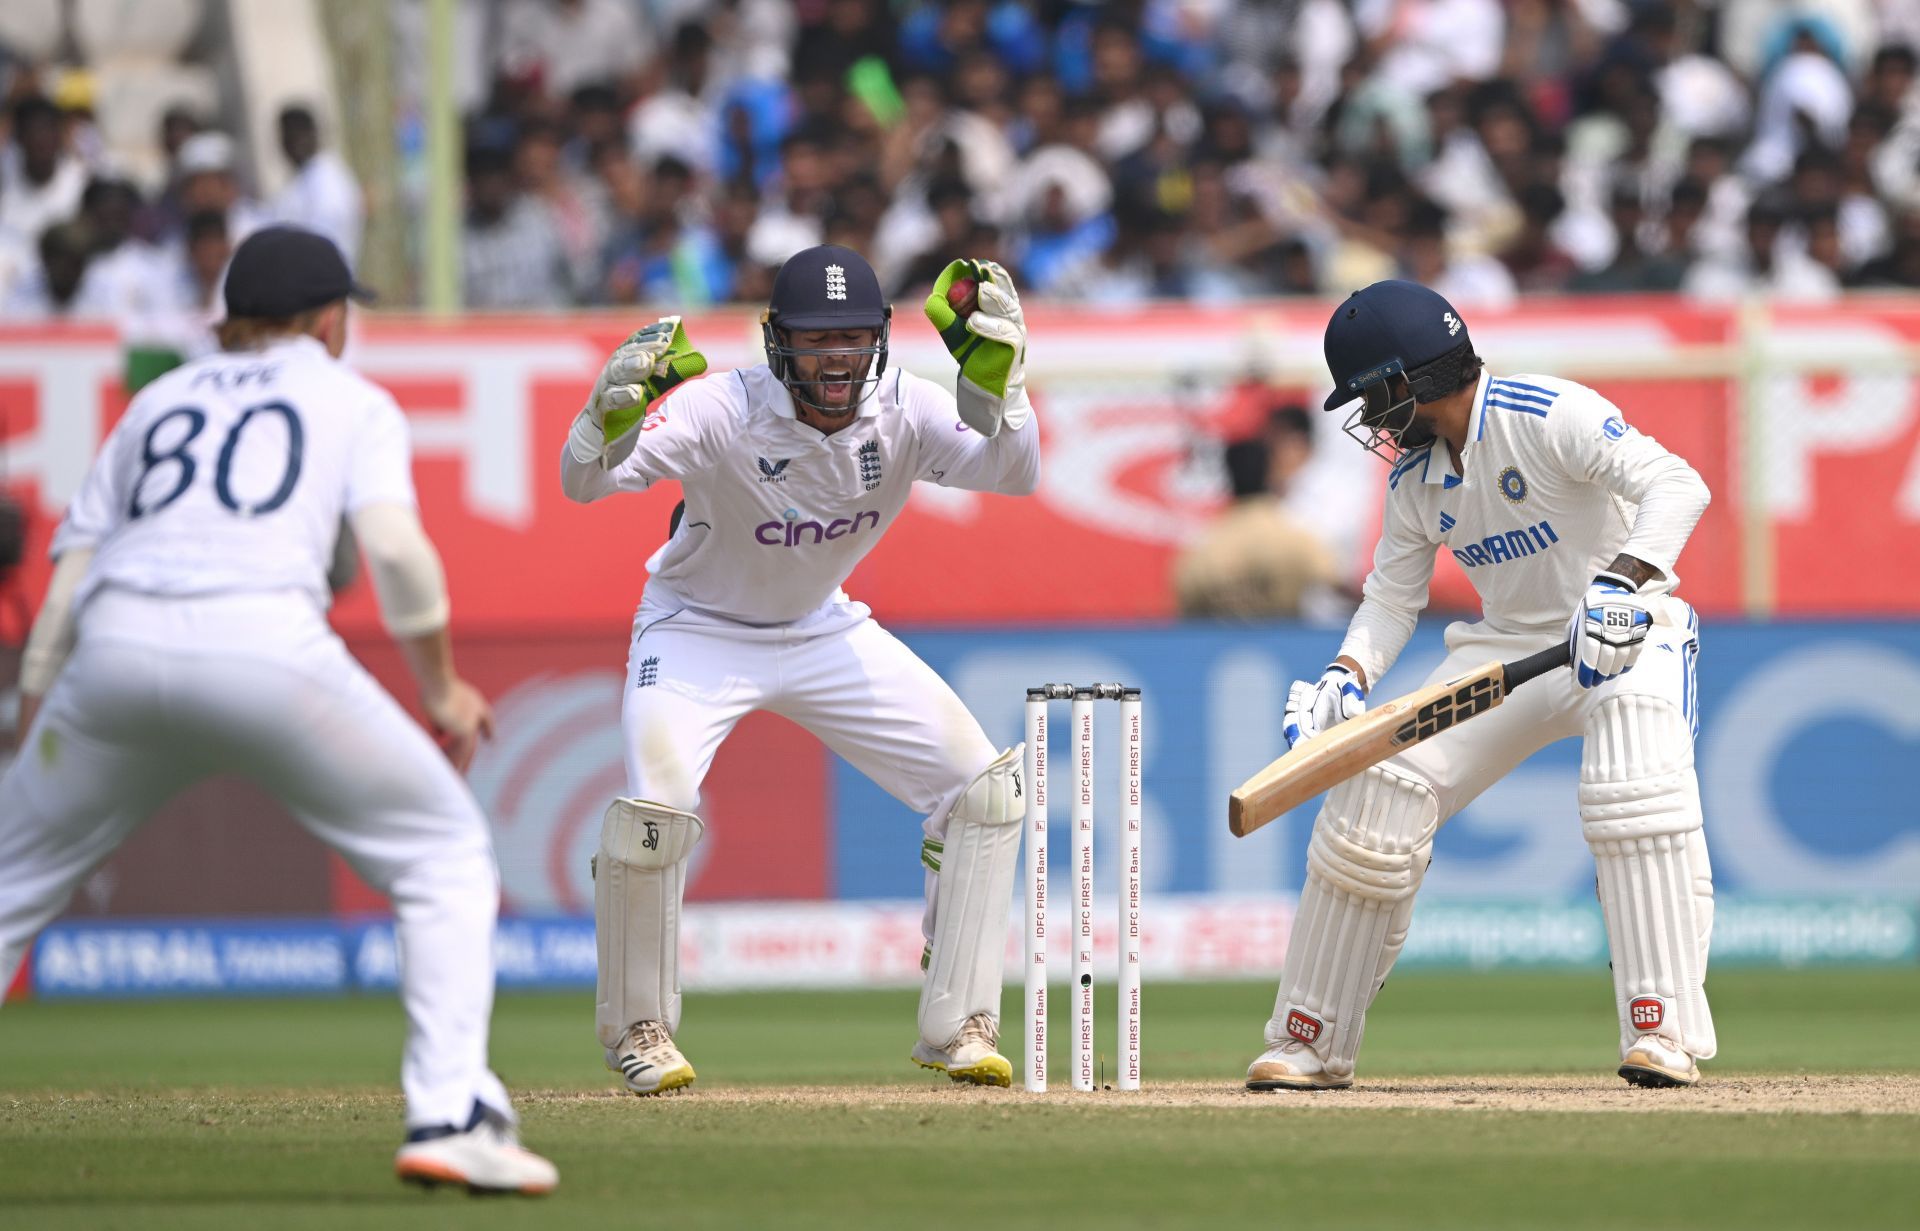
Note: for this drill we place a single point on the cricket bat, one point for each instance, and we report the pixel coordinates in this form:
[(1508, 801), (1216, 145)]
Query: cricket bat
[(1336, 755)]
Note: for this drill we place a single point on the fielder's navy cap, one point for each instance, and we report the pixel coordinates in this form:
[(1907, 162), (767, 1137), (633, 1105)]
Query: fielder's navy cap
[(284, 271), (827, 287), (1389, 325)]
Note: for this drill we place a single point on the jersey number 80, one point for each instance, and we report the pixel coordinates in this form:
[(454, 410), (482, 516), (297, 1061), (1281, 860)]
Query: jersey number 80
[(152, 457)]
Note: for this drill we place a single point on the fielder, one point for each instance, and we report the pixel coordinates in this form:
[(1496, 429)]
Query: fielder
[(791, 472), (1568, 522), (184, 634)]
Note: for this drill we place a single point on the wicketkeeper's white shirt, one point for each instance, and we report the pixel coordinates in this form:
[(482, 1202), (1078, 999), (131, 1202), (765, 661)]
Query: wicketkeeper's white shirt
[(778, 514), (1556, 485)]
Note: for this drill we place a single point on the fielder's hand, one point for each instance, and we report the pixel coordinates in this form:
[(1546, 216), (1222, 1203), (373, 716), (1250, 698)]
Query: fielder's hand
[(1313, 708), (461, 718), (989, 342), (646, 365), (1608, 630)]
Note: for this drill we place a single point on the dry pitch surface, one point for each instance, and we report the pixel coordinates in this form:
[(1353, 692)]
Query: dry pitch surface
[(1805, 1094)]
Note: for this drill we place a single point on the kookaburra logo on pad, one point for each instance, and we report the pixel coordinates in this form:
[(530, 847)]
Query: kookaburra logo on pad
[(652, 840), (836, 282)]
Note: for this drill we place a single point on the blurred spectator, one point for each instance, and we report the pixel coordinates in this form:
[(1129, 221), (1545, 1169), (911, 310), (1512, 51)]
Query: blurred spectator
[(511, 254), (576, 208), (209, 180), (557, 46), (125, 276), (1635, 269), (1534, 260), (323, 195), (1805, 99), (40, 179), (50, 289), (1771, 263), (1465, 278), (1258, 561)]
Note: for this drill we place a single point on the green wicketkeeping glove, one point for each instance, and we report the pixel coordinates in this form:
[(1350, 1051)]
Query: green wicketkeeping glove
[(990, 344), (646, 365)]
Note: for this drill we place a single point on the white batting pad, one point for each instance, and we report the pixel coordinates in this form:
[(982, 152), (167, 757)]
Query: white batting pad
[(638, 880), (1640, 811), (1371, 845), (975, 889)]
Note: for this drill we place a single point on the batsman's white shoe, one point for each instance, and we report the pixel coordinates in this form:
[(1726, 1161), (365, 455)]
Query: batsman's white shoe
[(972, 1056), (1292, 1065), (1657, 1060), (487, 1158), (647, 1060)]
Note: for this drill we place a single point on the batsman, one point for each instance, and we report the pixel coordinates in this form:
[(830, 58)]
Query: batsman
[(791, 471), (1568, 523)]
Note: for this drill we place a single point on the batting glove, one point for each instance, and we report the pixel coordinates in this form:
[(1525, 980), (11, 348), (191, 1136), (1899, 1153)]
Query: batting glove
[(645, 366), (990, 345), (1313, 708), (1607, 631)]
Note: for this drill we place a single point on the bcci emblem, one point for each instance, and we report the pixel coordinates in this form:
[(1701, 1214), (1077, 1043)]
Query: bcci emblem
[(1512, 486)]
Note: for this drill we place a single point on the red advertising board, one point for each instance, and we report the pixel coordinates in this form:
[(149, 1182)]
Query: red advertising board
[(1129, 405)]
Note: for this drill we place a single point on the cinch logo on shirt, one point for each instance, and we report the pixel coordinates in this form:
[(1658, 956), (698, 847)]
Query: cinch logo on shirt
[(1499, 548), (793, 533)]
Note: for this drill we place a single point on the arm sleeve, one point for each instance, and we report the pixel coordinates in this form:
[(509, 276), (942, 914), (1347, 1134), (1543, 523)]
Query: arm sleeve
[(406, 572), (683, 435), (100, 505), (380, 470), (954, 455), (52, 637), (1394, 594), (1592, 441)]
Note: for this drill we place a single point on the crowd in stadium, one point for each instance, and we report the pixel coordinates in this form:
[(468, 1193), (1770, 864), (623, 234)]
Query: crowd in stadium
[(674, 152), (1199, 149)]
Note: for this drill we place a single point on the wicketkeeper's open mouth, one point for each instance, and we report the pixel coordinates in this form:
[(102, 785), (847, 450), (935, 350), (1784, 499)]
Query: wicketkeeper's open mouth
[(836, 388)]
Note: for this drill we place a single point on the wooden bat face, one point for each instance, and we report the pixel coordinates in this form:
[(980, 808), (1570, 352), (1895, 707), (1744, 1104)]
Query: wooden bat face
[(1339, 754)]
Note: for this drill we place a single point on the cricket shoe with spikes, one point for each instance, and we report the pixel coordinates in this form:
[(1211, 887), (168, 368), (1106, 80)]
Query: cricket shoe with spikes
[(971, 1057), (486, 1158), (647, 1060), (1656, 1060), (1292, 1065)]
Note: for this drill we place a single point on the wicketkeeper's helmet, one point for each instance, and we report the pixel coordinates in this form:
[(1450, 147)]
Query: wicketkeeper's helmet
[(826, 287)]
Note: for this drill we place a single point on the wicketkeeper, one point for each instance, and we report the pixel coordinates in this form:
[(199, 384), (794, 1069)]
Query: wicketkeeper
[(791, 471), (1568, 523)]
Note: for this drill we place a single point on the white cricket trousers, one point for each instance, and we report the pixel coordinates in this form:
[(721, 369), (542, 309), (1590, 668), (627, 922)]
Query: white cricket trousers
[(162, 692)]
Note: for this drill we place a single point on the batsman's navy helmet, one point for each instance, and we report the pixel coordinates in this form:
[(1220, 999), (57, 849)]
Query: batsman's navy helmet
[(826, 287), (1393, 344)]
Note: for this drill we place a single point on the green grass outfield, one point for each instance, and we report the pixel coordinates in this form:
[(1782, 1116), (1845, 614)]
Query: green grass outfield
[(1485, 1100)]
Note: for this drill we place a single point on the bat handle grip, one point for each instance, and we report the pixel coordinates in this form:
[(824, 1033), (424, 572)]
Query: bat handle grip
[(1521, 670)]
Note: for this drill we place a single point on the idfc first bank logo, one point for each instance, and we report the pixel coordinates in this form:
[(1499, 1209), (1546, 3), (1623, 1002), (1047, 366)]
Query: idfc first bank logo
[(791, 531)]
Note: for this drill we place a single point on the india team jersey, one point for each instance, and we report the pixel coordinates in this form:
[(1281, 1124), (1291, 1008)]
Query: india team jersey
[(778, 514), (233, 473), (1556, 485)]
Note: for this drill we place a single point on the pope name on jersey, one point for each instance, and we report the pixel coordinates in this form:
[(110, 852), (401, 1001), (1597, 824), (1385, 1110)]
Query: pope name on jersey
[(1568, 522), (790, 473)]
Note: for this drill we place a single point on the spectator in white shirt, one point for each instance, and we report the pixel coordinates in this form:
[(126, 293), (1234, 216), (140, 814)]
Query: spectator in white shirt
[(40, 180), (208, 180), (50, 291), (323, 195)]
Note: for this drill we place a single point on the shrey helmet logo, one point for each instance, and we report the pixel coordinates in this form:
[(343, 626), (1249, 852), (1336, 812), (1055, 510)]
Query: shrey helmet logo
[(836, 282), (1452, 323)]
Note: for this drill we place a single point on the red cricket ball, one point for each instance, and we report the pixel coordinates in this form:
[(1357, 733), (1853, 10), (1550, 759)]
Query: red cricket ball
[(964, 296)]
